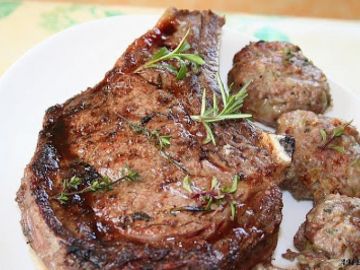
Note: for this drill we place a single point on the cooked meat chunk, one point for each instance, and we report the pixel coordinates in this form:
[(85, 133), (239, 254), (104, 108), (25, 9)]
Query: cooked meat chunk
[(282, 80), (330, 236), (191, 206), (326, 158)]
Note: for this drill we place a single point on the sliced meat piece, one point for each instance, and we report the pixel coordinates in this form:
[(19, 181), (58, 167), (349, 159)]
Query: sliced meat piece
[(154, 222), (282, 80), (317, 170), (330, 236)]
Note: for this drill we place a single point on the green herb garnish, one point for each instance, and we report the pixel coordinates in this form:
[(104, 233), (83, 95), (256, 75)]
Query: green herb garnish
[(233, 209), (215, 196), (231, 109), (187, 184), (70, 187), (336, 133), (161, 141), (233, 187), (158, 60)]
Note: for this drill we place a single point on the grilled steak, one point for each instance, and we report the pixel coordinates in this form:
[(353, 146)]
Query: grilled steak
[(330, 236), (153, 222), (283, 80), (323, 163)]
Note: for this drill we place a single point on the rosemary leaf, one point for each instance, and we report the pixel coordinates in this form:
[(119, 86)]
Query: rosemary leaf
[(230, 111), (179, 55), (181, 73)]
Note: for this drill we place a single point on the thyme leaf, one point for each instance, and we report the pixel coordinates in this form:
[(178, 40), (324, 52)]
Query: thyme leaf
[(336, 133), (179, 54), (231, 109), (161, 141)]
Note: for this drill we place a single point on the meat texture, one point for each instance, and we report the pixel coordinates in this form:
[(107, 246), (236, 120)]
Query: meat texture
[(330, 237), (322, 163), (282, 80), (153, 222)]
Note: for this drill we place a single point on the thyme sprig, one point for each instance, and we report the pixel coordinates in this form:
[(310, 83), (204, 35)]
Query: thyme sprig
[(184, 59), (336, 133), (213, 198), (160, 140), (103, 183), (231, 109)]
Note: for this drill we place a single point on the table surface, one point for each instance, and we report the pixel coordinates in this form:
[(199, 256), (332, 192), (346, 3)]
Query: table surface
[(333, 45), (341, 9)]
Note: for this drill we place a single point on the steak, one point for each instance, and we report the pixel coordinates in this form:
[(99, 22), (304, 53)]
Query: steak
[(153, 222)]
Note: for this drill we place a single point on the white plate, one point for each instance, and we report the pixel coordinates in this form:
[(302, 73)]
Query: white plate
[(66, 64)]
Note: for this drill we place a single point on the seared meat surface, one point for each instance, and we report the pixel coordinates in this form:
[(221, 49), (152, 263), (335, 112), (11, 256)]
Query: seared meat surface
[(154, 222), (283, 80), (317, 170), (330, 236)]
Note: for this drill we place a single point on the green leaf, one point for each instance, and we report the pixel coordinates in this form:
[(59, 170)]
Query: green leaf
[(323, 134), (203, 103), (181, 44), (194, 58), (74, 182), (338, 131), (164, 141), (209, 203), (209, 135), (223, 91), (184, 47), (63, 198), (159, 54), (214, 183), (187, 184), (233, 187), (182, 71), (337, 148), (130, 174), (233, 208), (215, 106)]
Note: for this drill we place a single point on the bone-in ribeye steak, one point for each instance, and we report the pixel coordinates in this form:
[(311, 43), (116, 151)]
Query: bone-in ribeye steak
[(134, 225)]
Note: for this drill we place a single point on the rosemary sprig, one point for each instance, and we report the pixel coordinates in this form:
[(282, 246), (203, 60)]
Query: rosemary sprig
[(158, 60), (70, 187), (336, 133), (231, 109)]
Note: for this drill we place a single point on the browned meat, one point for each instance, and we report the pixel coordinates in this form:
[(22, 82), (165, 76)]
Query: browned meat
[(154, 222), (283, 80), (317, 170), (330, 236)]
